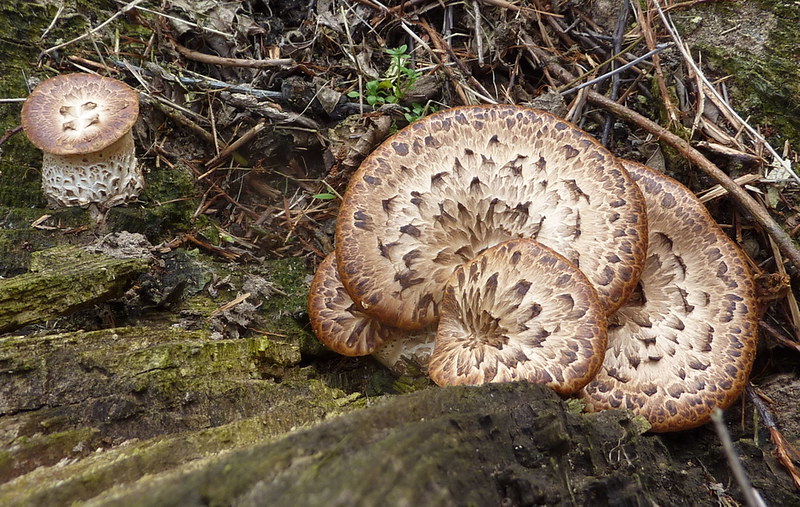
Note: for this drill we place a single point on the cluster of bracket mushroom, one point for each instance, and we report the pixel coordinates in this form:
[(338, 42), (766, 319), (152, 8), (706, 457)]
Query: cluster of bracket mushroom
[(498, 243)]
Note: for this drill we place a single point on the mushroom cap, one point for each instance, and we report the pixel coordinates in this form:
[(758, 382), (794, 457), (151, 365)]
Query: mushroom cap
[(685, 341), (342, 327), (79, 113), (454, 183), (337, 321), (519, 311)]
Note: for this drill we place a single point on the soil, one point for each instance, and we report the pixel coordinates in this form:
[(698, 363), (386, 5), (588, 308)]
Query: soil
[(206, 362)]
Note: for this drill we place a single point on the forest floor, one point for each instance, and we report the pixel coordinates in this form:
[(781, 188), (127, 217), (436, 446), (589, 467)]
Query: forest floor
[(256, 113)]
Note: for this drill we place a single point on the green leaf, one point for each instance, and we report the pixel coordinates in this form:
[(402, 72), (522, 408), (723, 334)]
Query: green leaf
[(325, 196)]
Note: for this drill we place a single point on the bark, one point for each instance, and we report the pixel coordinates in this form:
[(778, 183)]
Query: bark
[(64, 279), (512, 444)]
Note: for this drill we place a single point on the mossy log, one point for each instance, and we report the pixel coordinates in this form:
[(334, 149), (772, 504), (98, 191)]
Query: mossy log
[(62, 280), (512, 444), (69, 396)]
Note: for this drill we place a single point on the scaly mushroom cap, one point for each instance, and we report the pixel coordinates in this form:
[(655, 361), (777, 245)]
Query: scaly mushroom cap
[(519, 311), (456, 182), (82, 123), (79, 113), (337, 321), (342, 327), (685, 341)]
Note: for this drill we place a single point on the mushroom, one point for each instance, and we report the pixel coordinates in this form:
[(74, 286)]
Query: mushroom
[(684, 343), (454, 183), (519, 311), (343, 327), (82, 123)]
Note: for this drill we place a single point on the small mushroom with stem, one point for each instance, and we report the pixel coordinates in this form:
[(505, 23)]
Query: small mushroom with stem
[(82, 123), (685, 342), (448, 186), (519, 311)]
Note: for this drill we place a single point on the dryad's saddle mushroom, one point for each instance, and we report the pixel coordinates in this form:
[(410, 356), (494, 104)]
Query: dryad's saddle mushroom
[(524, 242), (447, 187), (519, 311), (82, 123), (343, 327), (684, 343)]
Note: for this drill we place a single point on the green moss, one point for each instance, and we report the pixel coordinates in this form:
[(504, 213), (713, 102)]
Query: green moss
[(766, 81), (170, 199)]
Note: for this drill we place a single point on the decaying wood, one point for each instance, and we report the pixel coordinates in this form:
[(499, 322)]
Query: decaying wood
[(63, 279), (498, 444)]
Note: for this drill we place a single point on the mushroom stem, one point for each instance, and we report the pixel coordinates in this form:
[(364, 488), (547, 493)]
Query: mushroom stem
[(109, 177)]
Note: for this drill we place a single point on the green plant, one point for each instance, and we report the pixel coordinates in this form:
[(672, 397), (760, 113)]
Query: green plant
[(417, 111), (399, 78)]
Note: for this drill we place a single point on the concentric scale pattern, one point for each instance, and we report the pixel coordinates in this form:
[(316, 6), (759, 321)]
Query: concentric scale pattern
[(519, 311), (449, 186), (684, 343)]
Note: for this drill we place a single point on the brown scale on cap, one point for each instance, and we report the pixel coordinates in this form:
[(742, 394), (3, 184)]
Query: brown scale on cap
[(82, 123), (341, 326), (519, 311), (449, 186), (685, 341), (337, 321)]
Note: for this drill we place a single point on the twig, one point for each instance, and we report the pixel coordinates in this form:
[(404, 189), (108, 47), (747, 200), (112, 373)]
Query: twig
[(245, 138), (751, 497), (784, 450), (247, 211), (231, 62), (123, 10), (717, 191), (53, 22), (619, 34), (779, 336), (180, 20), (10, 132), (230, 304), (645, 19), (176, 116), (720, 102), (209, 83), (658, 49), (761, 215)]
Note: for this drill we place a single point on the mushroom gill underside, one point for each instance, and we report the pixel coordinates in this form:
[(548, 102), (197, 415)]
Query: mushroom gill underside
[(674, 339)]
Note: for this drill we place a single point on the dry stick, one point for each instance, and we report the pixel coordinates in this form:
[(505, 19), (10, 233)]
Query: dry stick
[(751, 497), (246, 138), (778, 335), (231, 62), (784, 450), (99, 27), (720, 102), (443, 60), (645, 22), (619, 33), (757, 211)]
